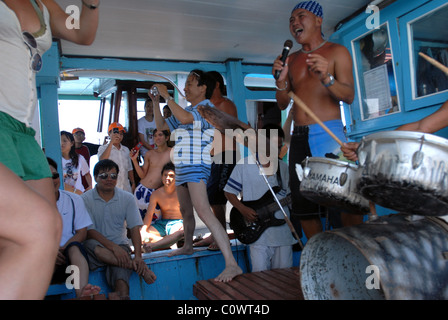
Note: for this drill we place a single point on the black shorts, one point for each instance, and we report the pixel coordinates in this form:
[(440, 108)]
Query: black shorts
[(219, 175), (298, 151), (59, 274)]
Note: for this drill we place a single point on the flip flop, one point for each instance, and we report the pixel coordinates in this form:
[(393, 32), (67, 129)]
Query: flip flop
[(198, 238), (213, 247)]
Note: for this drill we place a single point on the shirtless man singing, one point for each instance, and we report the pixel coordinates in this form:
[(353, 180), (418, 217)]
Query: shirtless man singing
[(150, 173), (320, 73)]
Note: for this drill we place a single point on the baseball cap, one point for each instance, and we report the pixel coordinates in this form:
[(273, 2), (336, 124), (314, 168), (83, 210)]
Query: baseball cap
[(77, 130), (114, 125)]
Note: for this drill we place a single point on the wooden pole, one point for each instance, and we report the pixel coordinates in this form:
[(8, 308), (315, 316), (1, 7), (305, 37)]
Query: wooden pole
[(305, 108), (434, 62)]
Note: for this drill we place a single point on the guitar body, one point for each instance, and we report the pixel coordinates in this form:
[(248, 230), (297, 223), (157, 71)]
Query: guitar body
[(249, 232)]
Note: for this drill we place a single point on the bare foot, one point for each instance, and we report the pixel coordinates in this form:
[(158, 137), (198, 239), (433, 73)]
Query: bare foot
[(204, 242), (90, 290), (181, 251), (149, 276), (229, 273), (213, 247), (113, 296), (147, 247)]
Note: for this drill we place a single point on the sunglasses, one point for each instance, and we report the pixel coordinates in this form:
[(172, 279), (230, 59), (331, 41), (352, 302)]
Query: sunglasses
[(55, 175), (105, 175), (36, 59)]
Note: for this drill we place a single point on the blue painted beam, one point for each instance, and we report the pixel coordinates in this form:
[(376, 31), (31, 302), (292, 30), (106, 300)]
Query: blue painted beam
[(47, 81)]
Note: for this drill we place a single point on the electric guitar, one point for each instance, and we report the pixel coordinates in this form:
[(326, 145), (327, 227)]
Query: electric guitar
[(265, 207)]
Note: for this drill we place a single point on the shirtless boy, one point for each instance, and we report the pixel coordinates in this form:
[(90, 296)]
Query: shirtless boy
[(169, 229), (150, 173)]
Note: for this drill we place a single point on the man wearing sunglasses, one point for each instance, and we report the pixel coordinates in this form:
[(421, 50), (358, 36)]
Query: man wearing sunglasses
[(113, 211)]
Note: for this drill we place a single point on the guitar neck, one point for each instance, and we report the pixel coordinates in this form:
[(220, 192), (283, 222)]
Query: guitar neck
[(274, 206)]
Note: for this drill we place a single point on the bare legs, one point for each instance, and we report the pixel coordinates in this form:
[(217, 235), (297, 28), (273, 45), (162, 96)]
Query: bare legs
[(121, 287), (30, 231), (196, 196), (220, 213), (77, 259)]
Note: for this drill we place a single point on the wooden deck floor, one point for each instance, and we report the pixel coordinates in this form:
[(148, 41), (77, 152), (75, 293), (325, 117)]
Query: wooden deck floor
[(278, 284)]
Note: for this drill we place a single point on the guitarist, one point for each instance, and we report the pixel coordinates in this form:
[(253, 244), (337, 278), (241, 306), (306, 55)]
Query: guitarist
[(273, 249)]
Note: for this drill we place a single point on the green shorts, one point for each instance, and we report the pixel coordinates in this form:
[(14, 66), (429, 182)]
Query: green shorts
[(19, 150), (167, 226)]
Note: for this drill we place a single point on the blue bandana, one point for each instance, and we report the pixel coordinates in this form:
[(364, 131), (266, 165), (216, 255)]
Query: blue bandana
[(312, 6)]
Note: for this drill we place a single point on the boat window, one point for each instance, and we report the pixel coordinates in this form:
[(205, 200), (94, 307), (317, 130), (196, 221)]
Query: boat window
[(375, 74), (429, 36)]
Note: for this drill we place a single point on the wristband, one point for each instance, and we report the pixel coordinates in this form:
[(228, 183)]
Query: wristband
[(332, 80), (283, 89)]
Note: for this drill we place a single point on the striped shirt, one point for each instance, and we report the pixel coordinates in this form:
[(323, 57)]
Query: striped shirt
[(193, 145)]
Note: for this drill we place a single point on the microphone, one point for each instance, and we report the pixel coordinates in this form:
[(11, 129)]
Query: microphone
[(286, 47)]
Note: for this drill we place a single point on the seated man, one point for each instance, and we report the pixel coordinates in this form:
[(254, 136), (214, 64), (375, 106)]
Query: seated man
[(75, 220), (169, 229), (112, 210)]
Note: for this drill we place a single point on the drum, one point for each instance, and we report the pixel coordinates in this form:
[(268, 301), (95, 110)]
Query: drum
[(332, 183), (400, 256), (405, 171)]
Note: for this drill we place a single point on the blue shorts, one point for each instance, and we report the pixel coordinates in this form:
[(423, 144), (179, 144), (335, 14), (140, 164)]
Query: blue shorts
[(322, 144), (167, 226)]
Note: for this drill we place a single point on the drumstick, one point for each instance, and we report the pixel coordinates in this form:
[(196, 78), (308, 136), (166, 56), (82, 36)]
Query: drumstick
[(305, 108), (434, 62)]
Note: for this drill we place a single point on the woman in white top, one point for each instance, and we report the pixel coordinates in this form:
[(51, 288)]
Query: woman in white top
[(27, 200), (74, 165)]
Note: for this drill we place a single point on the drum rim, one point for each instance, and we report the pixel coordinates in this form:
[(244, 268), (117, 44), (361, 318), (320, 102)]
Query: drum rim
[(338, 162), (408, 135)]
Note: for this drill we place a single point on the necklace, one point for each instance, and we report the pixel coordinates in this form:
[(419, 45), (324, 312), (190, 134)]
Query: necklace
[(319, 46)]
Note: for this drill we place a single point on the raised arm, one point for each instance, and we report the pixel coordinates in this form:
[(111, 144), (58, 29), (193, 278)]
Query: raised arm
[(183, 116), (160, 120), (283, 83), (343, 87), (88, 22)]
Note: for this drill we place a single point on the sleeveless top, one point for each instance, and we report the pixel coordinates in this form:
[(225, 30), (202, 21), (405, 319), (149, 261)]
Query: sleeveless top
[(18, 96)]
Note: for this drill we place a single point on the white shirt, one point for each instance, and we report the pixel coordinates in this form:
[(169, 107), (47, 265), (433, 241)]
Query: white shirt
[(18, 96), (72, 175), (66, 203), (147, 128), (123, 160), (247, 181)]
